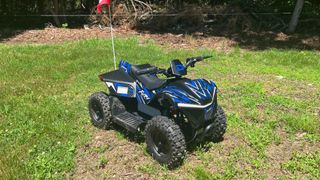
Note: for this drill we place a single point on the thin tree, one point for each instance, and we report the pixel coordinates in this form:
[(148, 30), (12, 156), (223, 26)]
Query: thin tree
[(295, 16)]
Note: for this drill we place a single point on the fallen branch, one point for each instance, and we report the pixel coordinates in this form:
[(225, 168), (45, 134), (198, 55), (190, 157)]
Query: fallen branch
[(143, 3)]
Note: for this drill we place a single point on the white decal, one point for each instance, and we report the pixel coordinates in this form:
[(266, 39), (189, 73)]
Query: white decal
[(146, 97), (109, 84), (185, 105), (197, 89), (122, 90)]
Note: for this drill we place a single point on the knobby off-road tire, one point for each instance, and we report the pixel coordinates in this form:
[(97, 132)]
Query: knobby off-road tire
[(165, 141), (220, 125), (99, 110)]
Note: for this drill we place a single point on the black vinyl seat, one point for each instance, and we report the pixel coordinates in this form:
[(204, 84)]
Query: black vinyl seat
[(151, 81)]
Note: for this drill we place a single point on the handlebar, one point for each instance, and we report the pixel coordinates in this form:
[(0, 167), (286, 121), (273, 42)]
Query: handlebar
[(199, 58), (191, 61), (154, 70), (206, 57)]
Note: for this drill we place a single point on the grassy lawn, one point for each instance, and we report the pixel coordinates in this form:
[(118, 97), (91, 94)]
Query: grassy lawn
[(271, 99)]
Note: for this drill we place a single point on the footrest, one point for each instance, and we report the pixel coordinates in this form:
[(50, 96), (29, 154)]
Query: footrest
[(129, 121)]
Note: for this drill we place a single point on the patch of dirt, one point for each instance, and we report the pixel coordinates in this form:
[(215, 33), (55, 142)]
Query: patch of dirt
[(61, 35), (170, 40), (184, 41), (126, 157), (109, 155), (277, 154)]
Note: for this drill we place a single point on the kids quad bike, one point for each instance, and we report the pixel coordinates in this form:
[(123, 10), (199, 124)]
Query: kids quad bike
[(172, 111)]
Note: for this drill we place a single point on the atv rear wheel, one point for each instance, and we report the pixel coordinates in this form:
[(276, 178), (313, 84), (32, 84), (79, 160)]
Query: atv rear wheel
[(165, 141), (220, 125), (99, 110)]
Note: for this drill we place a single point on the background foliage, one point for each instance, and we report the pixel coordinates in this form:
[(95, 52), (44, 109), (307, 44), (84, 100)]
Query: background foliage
[(12, 7), (18, 13)]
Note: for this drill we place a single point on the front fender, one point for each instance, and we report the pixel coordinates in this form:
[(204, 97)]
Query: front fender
[(199, 92), (196, 99)]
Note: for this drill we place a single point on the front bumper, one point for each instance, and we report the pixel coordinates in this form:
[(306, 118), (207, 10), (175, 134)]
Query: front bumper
[(199, 118)]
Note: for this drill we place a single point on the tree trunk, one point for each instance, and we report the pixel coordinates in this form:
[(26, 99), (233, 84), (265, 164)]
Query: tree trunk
[(55, 12), (179, 4), (63, 9), (40, 5), (295, 16), (3, 7)]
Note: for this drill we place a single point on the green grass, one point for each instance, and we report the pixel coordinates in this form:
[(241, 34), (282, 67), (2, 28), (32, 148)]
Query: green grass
[(44, 119), (308, 164)]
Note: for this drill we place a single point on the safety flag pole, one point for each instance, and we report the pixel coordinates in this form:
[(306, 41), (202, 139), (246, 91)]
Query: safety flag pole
[(112, 39), (108, 3)]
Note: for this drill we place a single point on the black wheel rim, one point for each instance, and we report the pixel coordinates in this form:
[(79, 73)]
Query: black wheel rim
[(160, 143), (96, 111)]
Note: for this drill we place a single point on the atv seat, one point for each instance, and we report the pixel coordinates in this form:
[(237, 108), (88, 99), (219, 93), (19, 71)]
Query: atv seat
[(151, 81)]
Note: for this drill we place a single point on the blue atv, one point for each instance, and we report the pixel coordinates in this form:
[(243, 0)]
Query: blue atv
[(172, 111)]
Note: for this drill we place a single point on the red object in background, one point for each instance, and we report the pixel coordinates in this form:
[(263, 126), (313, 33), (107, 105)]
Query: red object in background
[(102, 2)]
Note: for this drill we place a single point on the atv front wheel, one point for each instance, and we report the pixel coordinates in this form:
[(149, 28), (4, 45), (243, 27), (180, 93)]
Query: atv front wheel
[(220, 125), (165, 141), (99, 110)]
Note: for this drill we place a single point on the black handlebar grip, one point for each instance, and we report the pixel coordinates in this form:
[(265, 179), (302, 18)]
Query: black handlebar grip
[(199, 58), (205, 57)]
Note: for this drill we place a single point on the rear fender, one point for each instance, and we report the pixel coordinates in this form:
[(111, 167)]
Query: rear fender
[(122, 89), (119, 83)]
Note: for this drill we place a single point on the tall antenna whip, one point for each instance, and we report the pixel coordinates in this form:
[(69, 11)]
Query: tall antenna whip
[(112, 39)]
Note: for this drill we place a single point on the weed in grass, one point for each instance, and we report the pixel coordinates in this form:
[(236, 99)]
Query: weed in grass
[(301, 122), (259, 137), (120, 135), (230, 172), (147, 168), (201, 173), (308, 164), (168, 177), (99, 149), (106, 175), (102, 162), (205, 158), (312, 138), (203, 154)]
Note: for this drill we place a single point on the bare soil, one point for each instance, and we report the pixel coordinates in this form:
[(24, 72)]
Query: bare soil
[(60, 35), (104, 157), (222, 42), (126, 157)]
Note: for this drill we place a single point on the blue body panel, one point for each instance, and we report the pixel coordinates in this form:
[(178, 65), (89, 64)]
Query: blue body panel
[(198, 91), (125, 66)]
